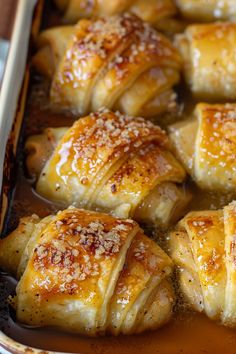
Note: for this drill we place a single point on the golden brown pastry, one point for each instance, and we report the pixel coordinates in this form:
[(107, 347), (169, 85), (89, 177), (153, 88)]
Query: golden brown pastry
[(203, 247), (206, 145), (207, 10), (117, 62), (113, 163), (157, 12), (88, 273), (208, 51)]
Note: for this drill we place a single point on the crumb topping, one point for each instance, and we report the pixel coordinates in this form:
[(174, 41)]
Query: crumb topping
[(105, 34), (77, 248), (115, 46), (101, 137)]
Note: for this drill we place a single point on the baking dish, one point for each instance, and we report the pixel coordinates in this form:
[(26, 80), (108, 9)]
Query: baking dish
[(12, 107), (14, 86)]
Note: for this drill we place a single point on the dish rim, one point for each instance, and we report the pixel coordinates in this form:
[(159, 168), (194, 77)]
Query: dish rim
[(15, 80)]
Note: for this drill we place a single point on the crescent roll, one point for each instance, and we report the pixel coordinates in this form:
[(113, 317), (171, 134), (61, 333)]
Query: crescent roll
[(88, 273), (208, 52), (203, 248), (116, 62), (110, 162), (206, 145), (207, 10), (157, 12)]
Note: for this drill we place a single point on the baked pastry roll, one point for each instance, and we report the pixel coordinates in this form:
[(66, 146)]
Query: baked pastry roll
[(117, 62), (206, 145), (111, 162), (157, 12), (203, 248), (209, 59), (210, 10), (88, 273)]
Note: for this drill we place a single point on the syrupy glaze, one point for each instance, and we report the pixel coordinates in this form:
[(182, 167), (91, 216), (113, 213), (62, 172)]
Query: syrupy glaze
[(187, 332)]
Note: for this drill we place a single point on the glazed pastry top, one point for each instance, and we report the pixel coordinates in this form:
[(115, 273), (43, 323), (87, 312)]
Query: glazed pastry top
[(88, 273)]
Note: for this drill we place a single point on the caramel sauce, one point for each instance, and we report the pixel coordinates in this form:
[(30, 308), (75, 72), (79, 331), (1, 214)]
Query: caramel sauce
[(187, 332)]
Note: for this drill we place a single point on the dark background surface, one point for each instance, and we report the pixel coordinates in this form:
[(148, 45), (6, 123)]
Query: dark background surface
[(7, 12)]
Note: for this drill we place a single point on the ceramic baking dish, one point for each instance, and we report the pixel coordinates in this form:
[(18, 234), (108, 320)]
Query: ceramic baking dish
[(187, 335), (12, 98)]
